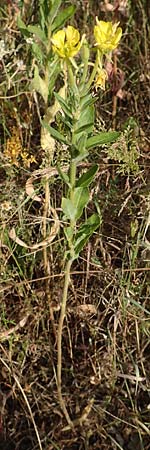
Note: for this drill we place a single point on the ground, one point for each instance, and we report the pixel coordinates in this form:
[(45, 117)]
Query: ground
[(106, 334)]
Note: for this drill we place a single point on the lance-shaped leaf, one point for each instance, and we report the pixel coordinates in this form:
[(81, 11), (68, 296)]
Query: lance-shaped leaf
[(54, 10), (54, 133), (64, 105), (87, 100), (80, 200), (62, 17), (87, 178), (39, 33), (85, 121), (38, 53), (22, 26), (68, 208), (85, 232), (105, 137), (73, 208)]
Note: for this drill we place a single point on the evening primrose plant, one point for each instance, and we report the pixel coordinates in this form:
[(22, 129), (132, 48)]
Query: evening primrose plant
[(77, 116), (64, 55)]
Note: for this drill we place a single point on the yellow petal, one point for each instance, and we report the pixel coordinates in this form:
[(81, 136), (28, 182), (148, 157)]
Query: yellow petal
[(66, 43), (107, 35), (58, 41), (72, 35), (101, 78)]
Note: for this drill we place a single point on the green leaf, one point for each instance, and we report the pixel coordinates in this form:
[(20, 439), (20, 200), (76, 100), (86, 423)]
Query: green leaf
[(80, 200), (54, 10), (54, 133), (39, 33), (62, 17), (86, 101), (63, 176), (87, 178), (54, 70), (68, 208), (64, 105), (39, 84), (82, 144), (73, 208), (69, 234), (88, 127), (64, 120), (22, 27), (38, 52), (85, 231), (85, 121), (81, 157), (102, 138)]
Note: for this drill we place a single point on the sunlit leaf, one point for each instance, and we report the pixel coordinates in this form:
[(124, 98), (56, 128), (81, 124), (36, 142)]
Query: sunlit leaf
[(105, 137), (64, 105), (63, 16), (73, 208), (54, 10), (68, 208), (37, 30), (85, 121)]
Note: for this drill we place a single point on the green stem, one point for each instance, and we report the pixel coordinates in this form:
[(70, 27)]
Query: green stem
[(72, 176), (94, 71), (59, 341), (73, 168), (85, 62), (72, 80)]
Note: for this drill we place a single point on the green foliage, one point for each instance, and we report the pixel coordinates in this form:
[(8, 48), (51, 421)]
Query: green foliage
[(63, 16), (125, 150), (38, 32), (52, 11), (54, 133), (64, 105), (85, 121), (85, 231), (102, 138), (73, 207), (87, 177)]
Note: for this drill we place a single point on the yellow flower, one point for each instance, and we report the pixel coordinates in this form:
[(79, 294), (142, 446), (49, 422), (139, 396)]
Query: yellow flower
[(107, 35), (66, 43), (101, 78)]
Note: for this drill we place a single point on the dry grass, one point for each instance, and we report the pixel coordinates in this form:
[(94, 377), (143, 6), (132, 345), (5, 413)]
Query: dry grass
[(106, 381)]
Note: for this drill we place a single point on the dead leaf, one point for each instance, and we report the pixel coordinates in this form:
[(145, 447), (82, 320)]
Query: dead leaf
[(54, 231), (86, 309)]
